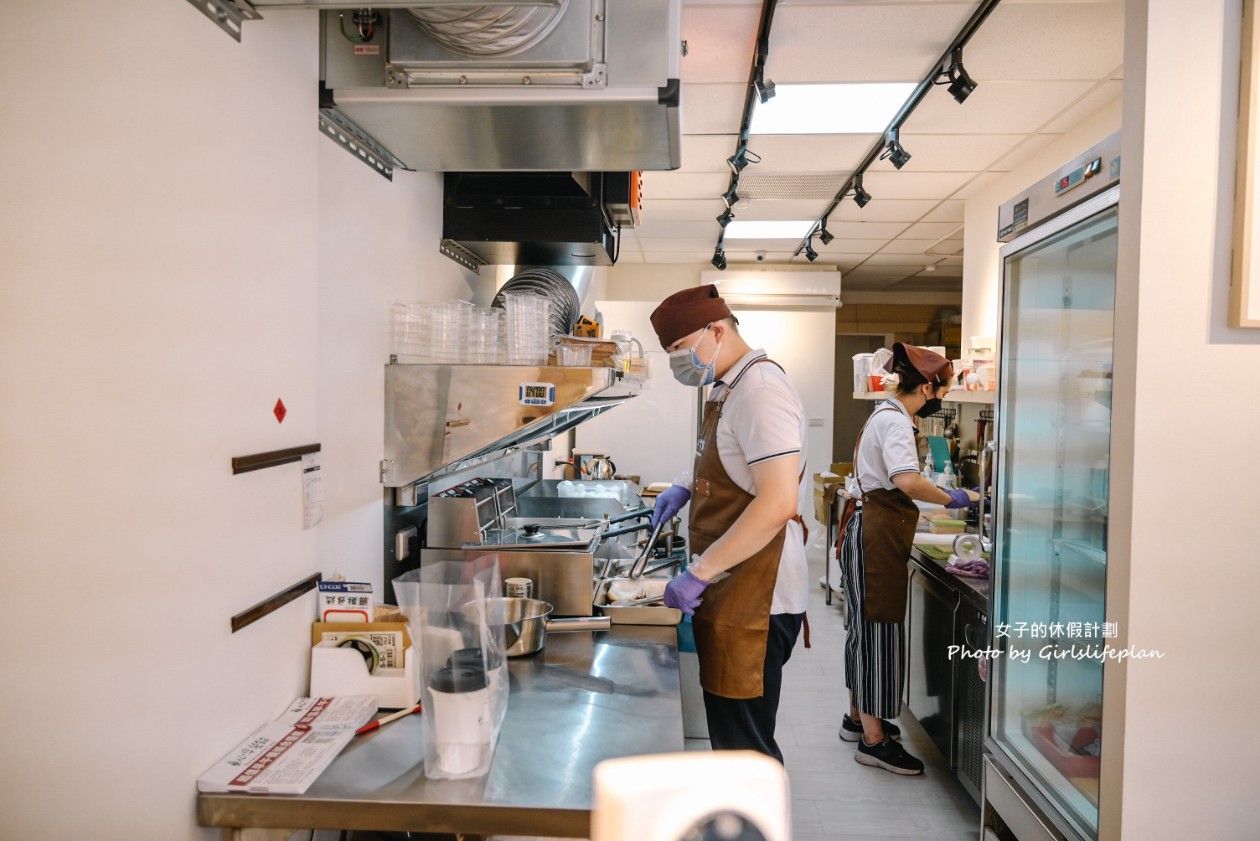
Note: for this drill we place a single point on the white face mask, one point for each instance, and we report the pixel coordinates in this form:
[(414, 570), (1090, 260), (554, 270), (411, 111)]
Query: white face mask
[(687, 368)]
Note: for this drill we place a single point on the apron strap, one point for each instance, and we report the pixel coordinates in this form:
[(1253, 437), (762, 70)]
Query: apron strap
[(857, 475)]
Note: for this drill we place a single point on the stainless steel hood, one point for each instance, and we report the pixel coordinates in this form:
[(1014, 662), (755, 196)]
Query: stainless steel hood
[(438, 415), (600, 92)]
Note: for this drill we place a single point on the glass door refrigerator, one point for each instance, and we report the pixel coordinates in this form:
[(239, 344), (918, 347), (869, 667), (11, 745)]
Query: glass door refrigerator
[(1049, 525)]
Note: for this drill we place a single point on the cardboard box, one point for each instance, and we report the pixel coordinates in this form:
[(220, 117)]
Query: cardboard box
[(826, 487)]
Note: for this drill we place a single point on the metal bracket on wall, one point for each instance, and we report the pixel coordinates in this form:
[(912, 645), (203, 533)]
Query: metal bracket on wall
[(359, 143), (228, 14), (461, 255), (279, 600), (258, 461)]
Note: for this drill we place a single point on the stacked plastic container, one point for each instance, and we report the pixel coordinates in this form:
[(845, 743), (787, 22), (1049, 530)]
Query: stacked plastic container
[(453, 332), (456, 332), (527, 320)]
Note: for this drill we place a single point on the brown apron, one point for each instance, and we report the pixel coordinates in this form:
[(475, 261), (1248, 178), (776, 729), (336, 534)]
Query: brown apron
[(733, 620), (889, 518)]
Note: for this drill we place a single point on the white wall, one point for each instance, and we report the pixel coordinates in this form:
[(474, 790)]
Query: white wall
[(982, 267), (802, 341), (1181, 572), (179, 247), (1185, 577)]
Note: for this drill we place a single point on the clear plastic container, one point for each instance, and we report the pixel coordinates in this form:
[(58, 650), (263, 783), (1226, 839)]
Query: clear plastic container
[(573, 356)]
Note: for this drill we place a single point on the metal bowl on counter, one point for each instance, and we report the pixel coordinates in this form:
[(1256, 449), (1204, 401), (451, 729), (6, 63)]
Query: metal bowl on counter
[(526, 623)]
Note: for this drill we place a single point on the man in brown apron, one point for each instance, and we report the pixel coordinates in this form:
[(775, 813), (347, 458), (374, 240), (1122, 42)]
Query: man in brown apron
[(746, 586)]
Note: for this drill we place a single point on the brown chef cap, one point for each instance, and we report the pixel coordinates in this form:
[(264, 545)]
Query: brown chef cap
[(688, 311), (928, 365)]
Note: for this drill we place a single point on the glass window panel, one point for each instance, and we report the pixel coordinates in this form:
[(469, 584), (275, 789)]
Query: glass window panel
[(1051, 547)]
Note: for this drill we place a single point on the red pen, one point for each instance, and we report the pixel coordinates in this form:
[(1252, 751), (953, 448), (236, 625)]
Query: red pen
[(381, 722)]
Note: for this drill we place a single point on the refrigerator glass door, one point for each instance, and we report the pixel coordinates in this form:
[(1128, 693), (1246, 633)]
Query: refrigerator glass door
[(1054, 428)]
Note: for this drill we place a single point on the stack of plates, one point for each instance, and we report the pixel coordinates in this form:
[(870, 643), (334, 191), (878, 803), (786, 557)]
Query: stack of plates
[(565, 304)]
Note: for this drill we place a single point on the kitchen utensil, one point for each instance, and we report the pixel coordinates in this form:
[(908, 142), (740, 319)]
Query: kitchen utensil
[(600, 468), (631, 515), (640, 563), (637, 602), (527, 621)]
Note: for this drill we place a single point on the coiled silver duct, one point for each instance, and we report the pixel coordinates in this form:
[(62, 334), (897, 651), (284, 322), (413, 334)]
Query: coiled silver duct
[(481, 31)]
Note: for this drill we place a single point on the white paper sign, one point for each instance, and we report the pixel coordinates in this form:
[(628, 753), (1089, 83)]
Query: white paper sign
[(312, 491)]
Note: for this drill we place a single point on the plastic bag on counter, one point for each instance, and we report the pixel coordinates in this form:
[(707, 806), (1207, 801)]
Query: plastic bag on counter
[(454, 612)]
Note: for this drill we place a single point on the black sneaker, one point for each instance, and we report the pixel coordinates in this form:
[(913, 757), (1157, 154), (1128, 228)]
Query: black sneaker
[(890, 756), (851, 731)]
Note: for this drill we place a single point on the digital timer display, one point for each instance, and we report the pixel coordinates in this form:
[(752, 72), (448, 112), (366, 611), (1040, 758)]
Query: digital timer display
[(538, 394)]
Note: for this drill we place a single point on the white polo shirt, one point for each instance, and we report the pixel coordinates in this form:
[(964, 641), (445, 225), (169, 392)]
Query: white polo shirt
[(761, 420), (887, 447)]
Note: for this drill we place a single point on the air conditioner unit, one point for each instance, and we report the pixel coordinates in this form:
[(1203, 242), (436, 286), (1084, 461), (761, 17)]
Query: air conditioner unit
[(777, 289)]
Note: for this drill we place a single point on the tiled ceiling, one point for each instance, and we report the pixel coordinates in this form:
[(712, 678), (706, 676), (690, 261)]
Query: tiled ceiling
[(1040, 67)]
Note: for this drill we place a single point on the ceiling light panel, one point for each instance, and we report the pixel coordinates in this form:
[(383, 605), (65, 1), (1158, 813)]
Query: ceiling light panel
[(769, 229), (831, 108)]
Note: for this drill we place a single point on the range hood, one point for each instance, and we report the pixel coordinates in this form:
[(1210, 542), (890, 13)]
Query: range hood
[(439, 415), (536, 219), (596, 87)]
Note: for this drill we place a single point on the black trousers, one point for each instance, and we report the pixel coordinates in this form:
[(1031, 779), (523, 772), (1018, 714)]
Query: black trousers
[(748, 723)]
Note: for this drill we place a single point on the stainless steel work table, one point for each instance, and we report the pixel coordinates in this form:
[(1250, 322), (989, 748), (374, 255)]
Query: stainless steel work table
[(584, 698)]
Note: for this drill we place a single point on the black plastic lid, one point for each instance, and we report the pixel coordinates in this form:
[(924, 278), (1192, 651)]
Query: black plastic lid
[(458, 678), (473, 657), (466, 657)]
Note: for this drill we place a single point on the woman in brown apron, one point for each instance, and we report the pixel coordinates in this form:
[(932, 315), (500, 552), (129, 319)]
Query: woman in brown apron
[(737, 537), (877, 529)]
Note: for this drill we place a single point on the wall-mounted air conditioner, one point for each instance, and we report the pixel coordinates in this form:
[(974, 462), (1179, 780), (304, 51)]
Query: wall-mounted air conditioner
[(777, 289)]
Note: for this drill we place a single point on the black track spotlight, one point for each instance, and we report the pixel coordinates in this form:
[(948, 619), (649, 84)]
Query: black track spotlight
[(810, 254), (825, 235), (731, 196), (860, 197), (960, 84), (764, 89), (895, 152), (719, 260), (740, 159), (725, 218)]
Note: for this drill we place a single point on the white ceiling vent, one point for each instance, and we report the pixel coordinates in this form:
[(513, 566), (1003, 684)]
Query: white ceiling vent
[(753, 289), (820, 186)]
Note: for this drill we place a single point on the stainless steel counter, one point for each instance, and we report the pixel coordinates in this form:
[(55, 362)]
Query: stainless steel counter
[(585, 698)]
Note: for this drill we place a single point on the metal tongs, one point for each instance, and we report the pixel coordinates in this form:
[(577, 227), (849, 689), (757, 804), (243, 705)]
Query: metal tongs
[(640, 563)]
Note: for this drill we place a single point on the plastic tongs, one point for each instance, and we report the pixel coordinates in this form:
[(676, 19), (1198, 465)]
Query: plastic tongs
[(640, 563)]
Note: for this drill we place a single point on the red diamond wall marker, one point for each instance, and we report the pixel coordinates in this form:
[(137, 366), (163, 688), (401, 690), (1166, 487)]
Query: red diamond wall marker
[(279, 411)]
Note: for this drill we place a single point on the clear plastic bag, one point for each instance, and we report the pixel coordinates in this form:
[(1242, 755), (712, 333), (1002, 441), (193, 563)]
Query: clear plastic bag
[(450, 608)]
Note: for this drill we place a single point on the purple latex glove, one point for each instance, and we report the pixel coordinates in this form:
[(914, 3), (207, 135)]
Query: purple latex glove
[(669, 502), (683, 592), (959, 498)]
